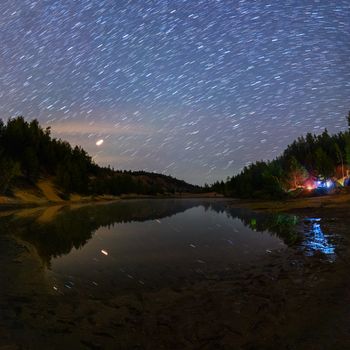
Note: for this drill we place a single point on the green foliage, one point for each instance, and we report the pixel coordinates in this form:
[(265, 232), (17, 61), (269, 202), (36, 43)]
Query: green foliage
[(9, 170), (347, 149), (324, 163), (340, 157), (296, 174)]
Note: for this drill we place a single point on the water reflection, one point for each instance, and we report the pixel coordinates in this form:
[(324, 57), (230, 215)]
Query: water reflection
[(72, 228), (289, 228), (56, 235), (316, 240), (284, 226)]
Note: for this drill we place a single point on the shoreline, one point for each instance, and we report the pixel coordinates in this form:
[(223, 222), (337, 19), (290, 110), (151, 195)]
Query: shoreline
[(334, 204), (10, 203), (327, 204)]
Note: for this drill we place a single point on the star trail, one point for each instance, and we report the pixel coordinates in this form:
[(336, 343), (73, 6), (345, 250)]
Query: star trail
[(195, 89)]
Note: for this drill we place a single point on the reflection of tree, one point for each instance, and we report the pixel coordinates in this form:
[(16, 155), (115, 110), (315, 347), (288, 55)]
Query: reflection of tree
[(283, 226), (73, 228)]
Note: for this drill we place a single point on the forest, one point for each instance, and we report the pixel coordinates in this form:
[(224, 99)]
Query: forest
[(28, 152), (311, 165)]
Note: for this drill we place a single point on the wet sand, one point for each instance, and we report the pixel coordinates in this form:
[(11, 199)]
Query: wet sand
[(284, 302)]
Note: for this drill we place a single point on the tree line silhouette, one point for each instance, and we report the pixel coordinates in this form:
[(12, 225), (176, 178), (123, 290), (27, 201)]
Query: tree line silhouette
[(29, 152), (307, 159)]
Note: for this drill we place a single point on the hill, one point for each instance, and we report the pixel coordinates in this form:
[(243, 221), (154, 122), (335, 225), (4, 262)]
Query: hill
[(37, 167)]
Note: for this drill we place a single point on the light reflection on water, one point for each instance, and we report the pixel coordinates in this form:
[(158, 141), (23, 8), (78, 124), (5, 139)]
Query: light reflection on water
[(162, 240), (316, 240), (184, 245)]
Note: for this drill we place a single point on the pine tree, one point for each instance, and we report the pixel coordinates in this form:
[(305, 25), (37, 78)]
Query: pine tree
[(297, 173)]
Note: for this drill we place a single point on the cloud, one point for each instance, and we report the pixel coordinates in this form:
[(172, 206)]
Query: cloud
[(113, 160), (77, 128)]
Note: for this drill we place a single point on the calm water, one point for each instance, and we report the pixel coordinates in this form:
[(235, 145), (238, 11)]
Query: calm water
[(151, 274), (148, 243)]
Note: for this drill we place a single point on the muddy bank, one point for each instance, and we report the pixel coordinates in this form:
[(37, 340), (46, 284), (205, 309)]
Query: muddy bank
[(335, 203), (283, 302)]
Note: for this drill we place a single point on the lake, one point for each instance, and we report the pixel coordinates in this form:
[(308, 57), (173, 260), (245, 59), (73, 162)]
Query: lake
[(133, 248)]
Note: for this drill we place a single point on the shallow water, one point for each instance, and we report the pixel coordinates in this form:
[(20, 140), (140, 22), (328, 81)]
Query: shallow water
[(152, 243), (160, 251)]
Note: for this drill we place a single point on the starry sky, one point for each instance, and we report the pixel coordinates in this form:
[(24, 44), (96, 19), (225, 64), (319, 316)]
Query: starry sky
[(195, 89)]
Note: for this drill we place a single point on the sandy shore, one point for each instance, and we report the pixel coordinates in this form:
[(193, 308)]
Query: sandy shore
[(336, 203), (45, 194)]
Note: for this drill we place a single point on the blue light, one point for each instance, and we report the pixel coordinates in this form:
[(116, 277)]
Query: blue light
[(312, 219), (324, 184), (316, 240)]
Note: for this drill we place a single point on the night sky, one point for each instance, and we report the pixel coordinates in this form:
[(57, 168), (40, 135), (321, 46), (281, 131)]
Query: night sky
[(195, 89)]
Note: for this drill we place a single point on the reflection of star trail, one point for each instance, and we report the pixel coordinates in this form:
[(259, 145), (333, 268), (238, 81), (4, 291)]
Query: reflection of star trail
[(316, 240)]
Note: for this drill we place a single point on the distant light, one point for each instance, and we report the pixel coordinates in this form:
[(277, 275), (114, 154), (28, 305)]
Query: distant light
[(325, 184), (104, 252), (99, 142), (310, 185)]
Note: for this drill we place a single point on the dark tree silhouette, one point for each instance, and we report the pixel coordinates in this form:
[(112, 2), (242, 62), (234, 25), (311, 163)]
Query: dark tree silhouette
[(28, 152), (309, 157)]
